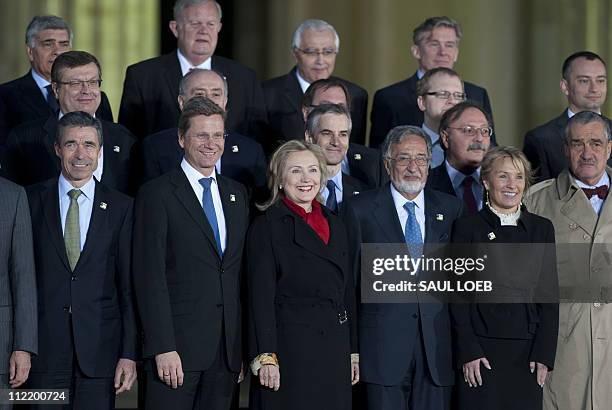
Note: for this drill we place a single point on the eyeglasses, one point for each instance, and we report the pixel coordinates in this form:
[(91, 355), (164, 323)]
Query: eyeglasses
[(203, 136), (446, 95), (472, 131), (404, 160), (78, 84), (311, 52)]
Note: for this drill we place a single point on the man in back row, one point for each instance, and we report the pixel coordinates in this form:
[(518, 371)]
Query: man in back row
[(436, 44)]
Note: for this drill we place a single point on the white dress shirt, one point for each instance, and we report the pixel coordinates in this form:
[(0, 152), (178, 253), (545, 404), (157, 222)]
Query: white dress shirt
[(419, 210), (596, 202), (303, 83), (85, 201), (186, 65), (194, 177), (41, 82), (338, 181)]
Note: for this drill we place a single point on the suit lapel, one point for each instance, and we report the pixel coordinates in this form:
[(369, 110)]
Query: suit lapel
[(186, 196), (32, 96), (50, 128), (386, 216), (173, 75), (576, 207), (49, 200), (232, 210), (434, 217), (110, 156), (293, 92), (97, 221)]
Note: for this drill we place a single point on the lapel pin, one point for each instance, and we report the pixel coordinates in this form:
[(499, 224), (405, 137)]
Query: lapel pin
[(439, 217), (103, 205), (491, 236), (573, 226), (117, 148), (232, 198), (355, 192), (235, 148), (357, 157)]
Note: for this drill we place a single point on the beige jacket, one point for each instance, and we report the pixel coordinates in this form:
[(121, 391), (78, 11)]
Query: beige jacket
[(582, 376)]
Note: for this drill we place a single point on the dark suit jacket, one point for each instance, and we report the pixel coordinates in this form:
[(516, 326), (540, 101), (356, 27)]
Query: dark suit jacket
[(366, 165), (188, 296), (149, 103), (99, 290), (397, 105), (243, 159), (18, 312), (544, 148), (439, 180), (536, 321), (22, 102), (31, 154), (387, 331), (284, 104)]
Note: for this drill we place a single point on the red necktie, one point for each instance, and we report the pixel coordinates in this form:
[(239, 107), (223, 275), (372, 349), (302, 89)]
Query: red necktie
[(601, 191)]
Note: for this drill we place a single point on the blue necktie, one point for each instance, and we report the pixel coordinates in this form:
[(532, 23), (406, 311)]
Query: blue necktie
[(209, 211), (412, 232), (332, 202)]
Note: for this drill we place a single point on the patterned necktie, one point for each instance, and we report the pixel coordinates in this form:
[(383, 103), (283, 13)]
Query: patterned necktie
[(468, 195), (72, 230), (51, 100), (601, 191), (332, 202), (209, 211), (412, 232)]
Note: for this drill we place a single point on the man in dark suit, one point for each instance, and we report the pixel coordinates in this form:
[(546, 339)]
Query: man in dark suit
[(189, 232), (405, 348), (18, 312), (76, 79), (360, 162), (329, 126), (150, 91), (243, 160), (315, 46), (584, 82), (466, 133), (30, 97), (82, 239), (436, 44)]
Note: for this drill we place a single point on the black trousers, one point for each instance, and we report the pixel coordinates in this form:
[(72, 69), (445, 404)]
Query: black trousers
[(211, 389)]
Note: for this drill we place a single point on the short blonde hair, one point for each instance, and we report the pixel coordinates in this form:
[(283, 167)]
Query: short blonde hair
[(277, 167), (516, 156)]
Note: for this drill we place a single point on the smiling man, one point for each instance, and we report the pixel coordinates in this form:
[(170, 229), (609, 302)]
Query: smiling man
[(149, 102), (76, 79), (188, 242), (584, 82), (435, 44), (315, 47), (577, 204), (465, 131)]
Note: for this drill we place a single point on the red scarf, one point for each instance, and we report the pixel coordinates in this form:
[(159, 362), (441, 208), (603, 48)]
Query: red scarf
[(314, 219)]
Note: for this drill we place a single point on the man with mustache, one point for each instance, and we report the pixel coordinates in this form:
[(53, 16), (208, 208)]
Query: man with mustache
[(577, 204), (585, 83), (466, 134), (76, 77)]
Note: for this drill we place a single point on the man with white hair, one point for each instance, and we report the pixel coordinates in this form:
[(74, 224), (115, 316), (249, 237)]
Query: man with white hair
[(315, 46)]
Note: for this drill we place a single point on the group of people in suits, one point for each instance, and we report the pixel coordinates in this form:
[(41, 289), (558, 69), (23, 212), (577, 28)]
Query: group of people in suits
[(216, 269)]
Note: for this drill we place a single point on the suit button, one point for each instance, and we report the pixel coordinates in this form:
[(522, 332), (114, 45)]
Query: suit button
[(222, 271), (66, 308), (415, 316), (73, 277)]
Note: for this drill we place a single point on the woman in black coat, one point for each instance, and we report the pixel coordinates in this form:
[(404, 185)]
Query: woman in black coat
[(505, 350), (301, 294)]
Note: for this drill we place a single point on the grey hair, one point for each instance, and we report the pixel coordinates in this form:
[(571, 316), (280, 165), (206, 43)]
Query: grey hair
[(40, 23), (78, 119), (424, 29), (587, 117), (313, 122), (315, 25), (181, 5), (183, 85), (397, 134)]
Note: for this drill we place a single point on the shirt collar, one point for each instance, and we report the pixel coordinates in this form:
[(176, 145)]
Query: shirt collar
[(64, 186), (303, 83), (60, 114), (186, 65), (457, 176), (432, 134), (401, 200), (604, 180), (338, 180), (571, 113), (193, 175), (41, 82), (420, 73)]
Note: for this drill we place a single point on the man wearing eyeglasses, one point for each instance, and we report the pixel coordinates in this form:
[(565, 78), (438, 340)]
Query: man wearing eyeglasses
[(438, 90), (315, 46), (405, 348), (151, 87), (76, 78), (585, 83), (436, 44), (465, 131), (30, 97)]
